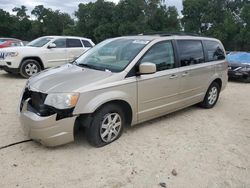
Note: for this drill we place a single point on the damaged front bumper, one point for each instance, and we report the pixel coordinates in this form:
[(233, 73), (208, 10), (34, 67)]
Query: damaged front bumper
[(47, 130)]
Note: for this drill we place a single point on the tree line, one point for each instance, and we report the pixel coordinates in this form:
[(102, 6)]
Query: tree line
[(227, 20)]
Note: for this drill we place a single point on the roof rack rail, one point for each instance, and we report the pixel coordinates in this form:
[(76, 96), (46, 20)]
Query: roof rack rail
[(163, 33)]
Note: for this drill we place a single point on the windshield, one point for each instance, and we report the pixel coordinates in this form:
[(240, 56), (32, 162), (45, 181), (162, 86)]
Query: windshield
[(112, 55), (39, 42)]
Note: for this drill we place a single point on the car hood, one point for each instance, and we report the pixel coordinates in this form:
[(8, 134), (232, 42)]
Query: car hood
[(66, 78)]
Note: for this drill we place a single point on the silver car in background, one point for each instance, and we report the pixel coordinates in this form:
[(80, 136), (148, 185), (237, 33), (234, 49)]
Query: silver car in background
[(122, 81)]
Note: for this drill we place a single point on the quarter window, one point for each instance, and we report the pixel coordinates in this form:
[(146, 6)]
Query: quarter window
[(86, 44), (74, 43), (60, 43), (191, 52), (214, 50), (162, 55)]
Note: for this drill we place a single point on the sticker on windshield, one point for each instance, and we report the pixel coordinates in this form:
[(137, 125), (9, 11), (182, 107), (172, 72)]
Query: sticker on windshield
[(141, 41)]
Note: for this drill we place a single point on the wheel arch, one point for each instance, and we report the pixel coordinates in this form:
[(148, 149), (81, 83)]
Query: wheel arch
[(218, 81), (204, 103), (84, 120), (38, 59), (128, 113), (121, 99)]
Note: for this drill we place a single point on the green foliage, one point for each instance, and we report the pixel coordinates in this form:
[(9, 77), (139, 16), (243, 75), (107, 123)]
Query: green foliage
[(6, 23), (227, 20), (47, 22), (21, 23), (103, 19), (98, 20)]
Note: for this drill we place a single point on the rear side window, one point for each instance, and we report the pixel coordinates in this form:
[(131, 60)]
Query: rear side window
[(74, 43), (191, 52), (87, 44), (214, 50)]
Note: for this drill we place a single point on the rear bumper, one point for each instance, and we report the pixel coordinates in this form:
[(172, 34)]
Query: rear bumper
[(47, 130)]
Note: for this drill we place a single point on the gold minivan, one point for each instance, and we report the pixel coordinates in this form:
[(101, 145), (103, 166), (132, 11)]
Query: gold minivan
[(122, 81)]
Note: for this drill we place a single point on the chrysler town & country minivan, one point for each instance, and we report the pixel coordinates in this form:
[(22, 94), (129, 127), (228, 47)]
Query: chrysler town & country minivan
[(122, 81)]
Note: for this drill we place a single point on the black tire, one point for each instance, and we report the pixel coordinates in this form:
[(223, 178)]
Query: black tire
[(95, 130), (34, 65), (208, 102)]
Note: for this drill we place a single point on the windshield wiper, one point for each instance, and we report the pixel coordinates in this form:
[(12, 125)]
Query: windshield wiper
[(87, 66)]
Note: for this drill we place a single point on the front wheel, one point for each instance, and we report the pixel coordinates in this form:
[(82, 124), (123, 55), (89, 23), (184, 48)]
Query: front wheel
[(211, 96), (29, 67), (107, 125)]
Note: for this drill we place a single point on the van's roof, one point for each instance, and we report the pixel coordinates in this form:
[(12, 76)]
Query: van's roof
[(173, 36)]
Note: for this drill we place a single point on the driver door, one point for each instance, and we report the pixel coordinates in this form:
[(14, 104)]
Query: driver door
[(58, 55), (158, 92)]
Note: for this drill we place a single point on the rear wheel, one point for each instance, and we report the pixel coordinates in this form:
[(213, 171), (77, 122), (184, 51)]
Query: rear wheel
[(106, 126), (211, 96), (29, 67)]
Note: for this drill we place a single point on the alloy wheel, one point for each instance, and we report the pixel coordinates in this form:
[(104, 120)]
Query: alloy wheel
[(213, 94), (110, 127), (31, 69)]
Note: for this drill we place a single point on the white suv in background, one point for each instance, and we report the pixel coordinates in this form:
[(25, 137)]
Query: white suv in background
[(41, 53)]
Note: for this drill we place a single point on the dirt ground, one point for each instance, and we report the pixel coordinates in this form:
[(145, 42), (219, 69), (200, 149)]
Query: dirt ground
[(207, 148)]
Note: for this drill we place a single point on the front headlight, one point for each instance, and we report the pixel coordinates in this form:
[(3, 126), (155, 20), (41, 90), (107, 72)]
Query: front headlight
[(62, 100), (11, 54)]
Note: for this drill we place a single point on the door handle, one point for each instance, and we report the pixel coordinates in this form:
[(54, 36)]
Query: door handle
[(173, 76), (185, 74)]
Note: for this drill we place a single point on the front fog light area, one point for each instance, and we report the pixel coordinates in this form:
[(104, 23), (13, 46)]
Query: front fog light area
[(62, 100)]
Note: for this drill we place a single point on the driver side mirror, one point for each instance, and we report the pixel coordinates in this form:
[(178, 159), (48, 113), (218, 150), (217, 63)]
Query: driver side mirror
[(52, 45), (147, 68)]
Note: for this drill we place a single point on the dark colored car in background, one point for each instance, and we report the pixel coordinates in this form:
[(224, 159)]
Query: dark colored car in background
[(10, 42), (239, 66)]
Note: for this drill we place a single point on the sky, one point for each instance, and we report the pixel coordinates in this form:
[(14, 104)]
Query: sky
[(69, 6)]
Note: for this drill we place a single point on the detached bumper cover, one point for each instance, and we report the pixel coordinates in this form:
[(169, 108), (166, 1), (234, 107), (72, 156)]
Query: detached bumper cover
[(47, 130)]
